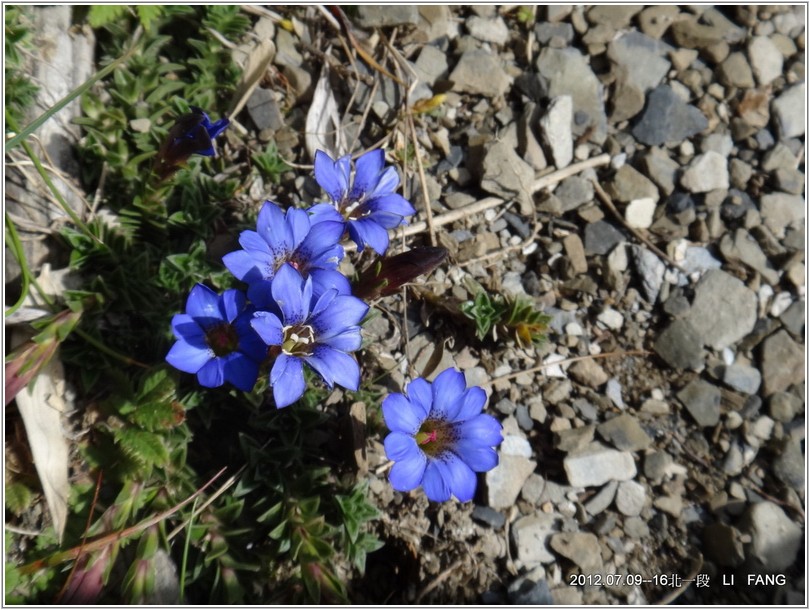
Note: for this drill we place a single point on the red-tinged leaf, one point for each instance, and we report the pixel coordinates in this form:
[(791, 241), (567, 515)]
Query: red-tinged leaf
[(388, 275)]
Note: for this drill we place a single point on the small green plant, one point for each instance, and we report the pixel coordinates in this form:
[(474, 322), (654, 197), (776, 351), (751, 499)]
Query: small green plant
[(269, 163), (510, 315), (20, 90)]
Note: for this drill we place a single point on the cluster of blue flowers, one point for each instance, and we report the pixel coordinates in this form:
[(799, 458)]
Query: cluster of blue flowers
[(299, 310)]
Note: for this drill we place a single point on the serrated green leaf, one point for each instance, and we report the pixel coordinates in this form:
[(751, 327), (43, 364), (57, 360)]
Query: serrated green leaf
[(18, 498), (143, 446), (102, 14), (147, 13)]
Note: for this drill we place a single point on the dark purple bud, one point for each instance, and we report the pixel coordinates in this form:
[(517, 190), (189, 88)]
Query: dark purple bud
[(191, 134), (387, 275)]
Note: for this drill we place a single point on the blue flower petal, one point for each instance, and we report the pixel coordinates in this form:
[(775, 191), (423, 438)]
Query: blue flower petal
[(476, 456), (186, 328), (233, 303), (341, 313), (436, 487), (387, 220), (393, 204), (335, 367), (448, 386), (287, 379), (245, 266), (400, 446), (324, 280), (241, 371), (332, 176), (203, 303), (217, 128), (323, 212), (320, 246), (458, 476), (250, 343), (366, 232), (268, 327), (260, 294), (275, 231), (188, 358), (288, 294), (299, 223), (482, 429), (468, 405), (255, 245), (349, 340), (212, 374), (401, 415), (367, 173), (410, 462), (421, 396), (386, 183)]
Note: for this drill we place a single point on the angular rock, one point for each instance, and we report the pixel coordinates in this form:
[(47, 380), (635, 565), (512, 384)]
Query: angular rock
[(589, 373), (667, 118), (661, 168), (596, 465), (370, 16), (576, 253), (766, 59), (705, 173), (702, 400), (651, 269), (775, 538), (581, 548), (789, 109), (431, 64), (531, 535), (681, 346), (640, 57), (601, 237), (629, 184), (639, 213), (789, 466), (735, 72), (488, 29), (723, 311), (655, 20), (741, 247), (625, 433), (630, 498), (566, 72), (507, 175), (599, 502), (782, 363), (506, 479), (555, 127), (723, 545), (615, 16), (574, 192), (742, 378), (781, 211), (480, 72)]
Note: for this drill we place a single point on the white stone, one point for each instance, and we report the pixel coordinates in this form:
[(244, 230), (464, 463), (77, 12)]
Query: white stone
[(556, 129), (630, 498), (611, 318), (705, 173), (597, 464), (639, 213), (765, 59), (789, 109)]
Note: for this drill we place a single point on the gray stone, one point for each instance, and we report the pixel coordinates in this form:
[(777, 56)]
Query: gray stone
[(667, 118), (655, 20), (533, 488), (602, 499), (784, 406), (627, 99), (699, 260), (371, 16), (734, 462), (555, 128), (661, 168), (573, 192), (782, 363), (506, 479), (488, 516), (531, 534), (635, 527), (789, 466), (672, 505), (588, 372), (596, 465), (789, 180), (657, 465), (555, 35), (431, 64), (681, 346), (705, 173), (488, 29), (741, 247), (735, 72), (507, 175), (616, 16), (573, 439), (640, 58), (650, 269), (766, 59), (780, 156), (629, 184), (781, 211), (630, 498), (793, 317), (714, 28), (722, 545), (625, 433), (264, 110), (742, 378), (789, 109), (702, 400), (601, 237), (566, 72), (723, 311), (613, 390), (581, 548), (775, 538), (525, 591), (480, 72)]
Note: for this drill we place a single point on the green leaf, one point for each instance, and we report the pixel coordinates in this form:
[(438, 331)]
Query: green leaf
[(147, 13), (102, 14), (143, 446), (18, 498)]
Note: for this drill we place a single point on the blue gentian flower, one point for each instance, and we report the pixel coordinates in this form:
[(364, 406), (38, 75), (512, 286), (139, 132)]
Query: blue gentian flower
[(191, 134), (439, 437), (367, 204), (302, 327), (291, 237), (215, 339)]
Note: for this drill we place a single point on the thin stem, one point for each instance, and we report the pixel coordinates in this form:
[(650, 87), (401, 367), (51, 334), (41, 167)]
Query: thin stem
[(27, 279), (108, 350)]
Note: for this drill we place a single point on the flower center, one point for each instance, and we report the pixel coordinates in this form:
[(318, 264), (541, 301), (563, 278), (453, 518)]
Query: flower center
[(435, 436), (298, 340), (222, 339), (353, 209)]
